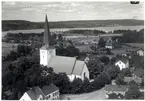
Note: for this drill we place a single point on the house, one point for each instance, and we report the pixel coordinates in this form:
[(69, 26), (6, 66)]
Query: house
[(109, 44), (138, 80), (50, 92), (117, 89), (61, 64), (122, 63), (140, 52)]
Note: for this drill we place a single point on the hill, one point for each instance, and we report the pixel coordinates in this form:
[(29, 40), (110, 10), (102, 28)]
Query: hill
[(22, 24)]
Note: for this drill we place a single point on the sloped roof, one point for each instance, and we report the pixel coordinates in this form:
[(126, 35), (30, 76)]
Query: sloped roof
[(123, 59), (109, 42), (49, 89), (45, 90), (78, 67), (34, 93), (62, 64), (120, 88), (47, 37)]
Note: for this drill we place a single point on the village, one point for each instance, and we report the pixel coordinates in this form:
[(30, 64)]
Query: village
[(56, 67)]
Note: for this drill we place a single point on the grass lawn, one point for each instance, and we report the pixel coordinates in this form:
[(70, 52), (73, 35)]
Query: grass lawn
[(96, 95)]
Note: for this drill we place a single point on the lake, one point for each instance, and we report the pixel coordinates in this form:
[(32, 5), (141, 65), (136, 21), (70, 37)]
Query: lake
[(107, 29)]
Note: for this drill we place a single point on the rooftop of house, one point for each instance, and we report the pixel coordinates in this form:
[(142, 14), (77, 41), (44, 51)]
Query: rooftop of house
[(47, 47), (49, 89), (123, 59), (35, 92), (118, 88), (142, 49)]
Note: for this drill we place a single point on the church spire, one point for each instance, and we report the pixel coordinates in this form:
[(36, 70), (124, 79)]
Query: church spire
[(47, 37)]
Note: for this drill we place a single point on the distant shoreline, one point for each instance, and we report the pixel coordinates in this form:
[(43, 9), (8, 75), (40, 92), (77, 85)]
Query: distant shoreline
[(24, 25), (107, 29)]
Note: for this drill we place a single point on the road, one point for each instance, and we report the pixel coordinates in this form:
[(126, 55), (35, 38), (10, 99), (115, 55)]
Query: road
[(96, 95)]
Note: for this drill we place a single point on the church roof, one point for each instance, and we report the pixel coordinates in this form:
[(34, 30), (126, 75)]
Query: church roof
[(78, 67), (47, 37), (62, 64), (68, 65)]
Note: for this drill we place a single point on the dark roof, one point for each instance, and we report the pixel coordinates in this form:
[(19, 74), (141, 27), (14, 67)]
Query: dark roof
[(34, 93), (109, 42), (45, 90), (121, 88), (47, 37), (123, 59), (49, 89), (139, 72)]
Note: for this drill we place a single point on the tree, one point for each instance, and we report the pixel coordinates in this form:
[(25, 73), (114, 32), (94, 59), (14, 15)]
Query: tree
[(105, 60), (60, 38), (108, 52), (76, 86), (101, 42), (120, 80), (133, 91), (95, 67), (62, 81), (86, 85), (126, 72)]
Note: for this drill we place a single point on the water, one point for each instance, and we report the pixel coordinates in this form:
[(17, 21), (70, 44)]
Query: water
[(107, 29)]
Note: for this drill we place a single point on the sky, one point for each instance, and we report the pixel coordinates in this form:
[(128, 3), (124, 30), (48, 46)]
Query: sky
[(66, 11)]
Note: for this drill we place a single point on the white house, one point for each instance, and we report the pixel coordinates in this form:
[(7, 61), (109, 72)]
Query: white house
[(50, 92), (109, 44), (140, 52), (122, 63), (61, 64)]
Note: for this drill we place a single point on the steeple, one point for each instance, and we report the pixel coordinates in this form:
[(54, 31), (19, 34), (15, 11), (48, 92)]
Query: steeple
[(47, 37)]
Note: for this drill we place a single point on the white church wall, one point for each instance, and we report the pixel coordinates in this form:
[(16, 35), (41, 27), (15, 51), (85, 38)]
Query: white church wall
[(43, 57), (85, 72), (72, 77)]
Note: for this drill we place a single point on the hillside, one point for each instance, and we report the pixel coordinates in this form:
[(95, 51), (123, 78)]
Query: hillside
[(22, 24)]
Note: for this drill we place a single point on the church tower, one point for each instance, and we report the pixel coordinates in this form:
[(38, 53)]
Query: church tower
[(47, 50)]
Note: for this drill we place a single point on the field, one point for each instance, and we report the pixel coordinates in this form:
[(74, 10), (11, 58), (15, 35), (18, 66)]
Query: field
[(96, 95)]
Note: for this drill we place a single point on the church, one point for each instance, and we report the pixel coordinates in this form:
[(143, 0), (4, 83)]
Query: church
[(61, 64)]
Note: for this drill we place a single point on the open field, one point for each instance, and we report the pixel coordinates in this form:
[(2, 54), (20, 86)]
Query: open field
[(96, 95)]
